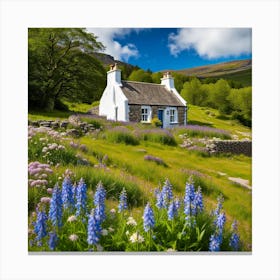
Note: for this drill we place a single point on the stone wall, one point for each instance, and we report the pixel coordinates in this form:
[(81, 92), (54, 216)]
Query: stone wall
[(181, 115), (134, 113), (232, 146)]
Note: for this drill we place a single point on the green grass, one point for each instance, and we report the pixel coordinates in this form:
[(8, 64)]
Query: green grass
[(244, 77), (126, 167), (201, 116)]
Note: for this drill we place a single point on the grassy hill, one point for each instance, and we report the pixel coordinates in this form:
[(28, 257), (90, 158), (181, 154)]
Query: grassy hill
[(238, 70), (112, 158)]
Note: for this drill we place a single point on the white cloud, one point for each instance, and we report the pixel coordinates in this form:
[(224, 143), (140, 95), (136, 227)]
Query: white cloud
[(108, 37), (212, 42)]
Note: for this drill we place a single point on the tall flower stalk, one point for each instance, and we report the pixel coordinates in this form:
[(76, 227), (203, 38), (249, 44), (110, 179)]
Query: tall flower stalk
[(55, 211)]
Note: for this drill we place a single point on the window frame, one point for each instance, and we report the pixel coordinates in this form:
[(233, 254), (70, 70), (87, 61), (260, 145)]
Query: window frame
[(147, 114), (173, 114)]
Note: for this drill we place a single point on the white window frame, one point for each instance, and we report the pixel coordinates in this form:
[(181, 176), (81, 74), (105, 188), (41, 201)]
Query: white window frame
[(147, 114), (173, 115)]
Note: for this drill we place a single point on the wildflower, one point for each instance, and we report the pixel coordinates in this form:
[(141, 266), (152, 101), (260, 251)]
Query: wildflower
[(72, 218), (99, 202), (172, 211), (167, 190), (136, 238), (81, 197), (215, 242), (55, 211), (40, 227), (188, 201), (219, 205), (111, 229), (113, 211), (67, 195), (104, 232), (234, 239), (73, 237), (49, 190), (220, 221), (198, 202), (170, 250), (127, 232), (160, 201), (45, 199), (131, 221), (93, 229), (123, 201), (53, 240), (148, 217)]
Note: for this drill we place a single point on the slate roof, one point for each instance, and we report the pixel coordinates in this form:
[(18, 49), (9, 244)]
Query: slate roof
[(149, 94)]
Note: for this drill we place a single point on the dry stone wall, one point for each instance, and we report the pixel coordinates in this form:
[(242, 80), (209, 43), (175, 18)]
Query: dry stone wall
[(232, 146)]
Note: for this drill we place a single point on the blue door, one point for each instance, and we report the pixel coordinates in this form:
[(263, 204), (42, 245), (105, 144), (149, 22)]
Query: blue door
[(160, 116)]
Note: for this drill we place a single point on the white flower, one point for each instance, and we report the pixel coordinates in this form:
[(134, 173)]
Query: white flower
[(136, 238), (170, 250), (113, 211), (111, 229), (73, 237), (72, 218), (104, 232), (127, 232), (131, 221)]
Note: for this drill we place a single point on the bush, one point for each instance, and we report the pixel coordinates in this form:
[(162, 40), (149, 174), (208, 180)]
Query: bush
[(156, 122)]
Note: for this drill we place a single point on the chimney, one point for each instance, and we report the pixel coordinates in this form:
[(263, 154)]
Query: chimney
[(114, 75), (168, 81)]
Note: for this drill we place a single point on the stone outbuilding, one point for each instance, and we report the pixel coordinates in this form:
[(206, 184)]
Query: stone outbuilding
[(141, 102)]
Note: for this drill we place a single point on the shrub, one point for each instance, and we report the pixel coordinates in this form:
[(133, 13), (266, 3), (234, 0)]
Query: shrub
[(157, 160), (156, 122)]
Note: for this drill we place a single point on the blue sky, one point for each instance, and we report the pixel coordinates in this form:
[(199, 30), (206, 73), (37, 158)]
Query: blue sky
[(175, 48)]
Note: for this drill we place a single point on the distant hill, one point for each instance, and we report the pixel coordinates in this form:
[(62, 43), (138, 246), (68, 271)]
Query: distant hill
[(238, 70)]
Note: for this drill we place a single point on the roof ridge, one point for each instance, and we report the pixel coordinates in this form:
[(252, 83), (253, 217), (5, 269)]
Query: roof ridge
[(136, 82)]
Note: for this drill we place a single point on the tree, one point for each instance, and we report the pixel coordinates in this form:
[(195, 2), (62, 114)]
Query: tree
[(60, 64), (193, 92), (140, 76), (156, 76)]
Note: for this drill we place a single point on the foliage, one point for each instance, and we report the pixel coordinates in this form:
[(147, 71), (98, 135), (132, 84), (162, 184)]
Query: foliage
[(140, 76), (121, 135), (156, 135), (60, 64), (156, 122), (175, 225)]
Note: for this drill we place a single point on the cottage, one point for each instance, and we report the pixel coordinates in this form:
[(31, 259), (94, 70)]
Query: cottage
[(141, 102)]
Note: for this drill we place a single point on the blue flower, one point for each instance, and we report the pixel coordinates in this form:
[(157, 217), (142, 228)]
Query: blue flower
[(93, 229), (220, 222), (219, 205), (198, 202), (67, 194), (172, 210), (55, 211), (188, 200), (99, 202), (148, 217), (40, 227), (123, 201), (215, 243), (53, 240), (81, 197), (167, 190), (160, 201), (234, 239)]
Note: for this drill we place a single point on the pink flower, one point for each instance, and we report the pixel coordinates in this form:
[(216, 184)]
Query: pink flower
[(49, 190), (45, 199), (73, 237)]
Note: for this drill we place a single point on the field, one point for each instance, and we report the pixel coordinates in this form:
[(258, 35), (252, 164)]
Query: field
[(141, 159)]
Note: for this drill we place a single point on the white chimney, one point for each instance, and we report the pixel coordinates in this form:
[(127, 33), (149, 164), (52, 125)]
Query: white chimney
[(168, 81), (114, 75)]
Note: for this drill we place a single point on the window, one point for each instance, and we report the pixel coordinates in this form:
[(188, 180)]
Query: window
[(173, 115), (145, 114)]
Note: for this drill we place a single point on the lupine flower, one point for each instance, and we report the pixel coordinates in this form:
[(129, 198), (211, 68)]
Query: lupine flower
[(215, 242), (160, 201), (220, 221), (93, 229), (40, 227), (177, 204), (219, 205), (99, 202), (136, 238), (53, 240), (55, 211), (123, 201), (189, 197), (73, 237), (172, 210), (81, 198), (148, 217), (67, 195), (167, 190), (198, 202), (234, 239)]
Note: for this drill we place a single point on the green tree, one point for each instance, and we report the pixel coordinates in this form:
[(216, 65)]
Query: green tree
[(193, 92), (156, 76), (140, 76), (60, 64)]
